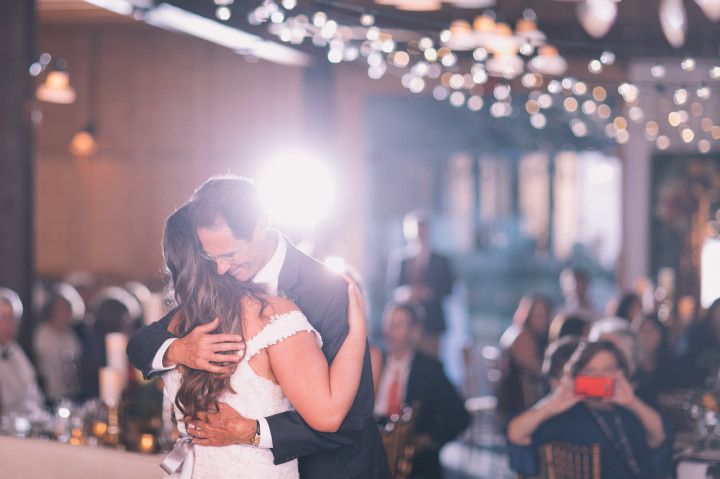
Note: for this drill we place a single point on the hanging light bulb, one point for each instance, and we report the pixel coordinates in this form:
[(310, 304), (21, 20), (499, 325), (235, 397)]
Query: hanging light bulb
[(548, 62), (505, 64), (84, 144), (711, 8), (528, 29), (461, 36), (56, 87), (597, 16), (673, 20)]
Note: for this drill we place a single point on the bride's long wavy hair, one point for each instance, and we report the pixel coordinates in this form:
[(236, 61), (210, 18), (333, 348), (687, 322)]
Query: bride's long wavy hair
[(202, 295)]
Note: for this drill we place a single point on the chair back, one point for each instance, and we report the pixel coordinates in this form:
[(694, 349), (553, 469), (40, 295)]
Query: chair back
[(569, 461), (398, 439)]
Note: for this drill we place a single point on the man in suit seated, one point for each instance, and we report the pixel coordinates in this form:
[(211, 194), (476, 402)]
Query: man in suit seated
[(410, 377)]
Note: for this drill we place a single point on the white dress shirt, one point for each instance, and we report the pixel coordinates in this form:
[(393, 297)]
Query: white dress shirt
[(19, 392), (393, 368), (57, 354), (268, 277)]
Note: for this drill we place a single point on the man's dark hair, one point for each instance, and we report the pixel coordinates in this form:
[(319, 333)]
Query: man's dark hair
[(415, 312), (233, 199), (587, 351)]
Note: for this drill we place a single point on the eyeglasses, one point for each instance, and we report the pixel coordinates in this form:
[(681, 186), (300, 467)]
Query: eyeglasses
[(231, 257)]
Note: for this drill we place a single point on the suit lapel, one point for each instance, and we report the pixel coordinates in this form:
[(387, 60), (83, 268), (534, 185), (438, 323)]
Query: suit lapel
[(411, 389), (289, 279)]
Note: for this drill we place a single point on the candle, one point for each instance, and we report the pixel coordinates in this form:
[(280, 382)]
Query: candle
[(99, 429), (110, 386), (147, 443), (115, 345)]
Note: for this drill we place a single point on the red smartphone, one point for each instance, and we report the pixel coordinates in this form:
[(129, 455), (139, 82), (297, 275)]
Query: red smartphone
[(594, 386)]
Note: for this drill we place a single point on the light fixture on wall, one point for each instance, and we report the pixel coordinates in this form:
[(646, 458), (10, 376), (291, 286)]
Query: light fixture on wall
[(84, 142), (56, 88)]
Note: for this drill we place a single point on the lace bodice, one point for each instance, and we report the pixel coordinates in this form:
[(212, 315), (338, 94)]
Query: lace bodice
[(255, 397)]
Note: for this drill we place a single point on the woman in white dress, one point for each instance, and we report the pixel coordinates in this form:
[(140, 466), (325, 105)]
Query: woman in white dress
[(282, 366)]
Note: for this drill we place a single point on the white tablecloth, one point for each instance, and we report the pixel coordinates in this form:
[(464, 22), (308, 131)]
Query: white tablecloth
[(36, 459)]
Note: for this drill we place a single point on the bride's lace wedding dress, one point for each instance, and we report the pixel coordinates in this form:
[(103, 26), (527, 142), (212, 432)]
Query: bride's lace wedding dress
[(255, 397)]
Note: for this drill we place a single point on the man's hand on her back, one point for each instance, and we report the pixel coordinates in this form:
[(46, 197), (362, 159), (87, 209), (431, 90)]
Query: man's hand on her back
[(202, 350)]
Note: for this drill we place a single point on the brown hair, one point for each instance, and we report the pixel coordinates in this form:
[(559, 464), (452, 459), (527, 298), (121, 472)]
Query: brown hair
[(234, 199), (202, 295), (587, 350)]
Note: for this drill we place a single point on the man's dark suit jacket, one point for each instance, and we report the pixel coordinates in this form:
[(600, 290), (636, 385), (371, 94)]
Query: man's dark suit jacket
[(438, 276), (441, 414), (355, 450)]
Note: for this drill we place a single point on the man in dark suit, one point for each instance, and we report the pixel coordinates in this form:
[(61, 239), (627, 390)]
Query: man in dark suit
[(410, 377), (235, 235), (419, 275)]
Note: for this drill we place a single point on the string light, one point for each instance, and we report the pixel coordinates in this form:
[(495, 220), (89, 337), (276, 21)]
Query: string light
[(425, 63), (475, 103), (662, 142), (657, 71), (589, 107), (688, 64), (223, 13), (687, 135), (457, 99), (538, 121)]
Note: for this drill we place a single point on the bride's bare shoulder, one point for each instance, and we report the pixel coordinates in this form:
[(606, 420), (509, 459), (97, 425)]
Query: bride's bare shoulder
[(276, 305), (258, 311)]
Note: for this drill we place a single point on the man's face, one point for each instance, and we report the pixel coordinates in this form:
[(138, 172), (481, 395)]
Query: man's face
[(399, 330), (242, 259), (8, 325), (62, 314)]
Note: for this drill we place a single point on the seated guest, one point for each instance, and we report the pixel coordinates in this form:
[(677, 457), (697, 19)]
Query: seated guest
[(19, 392), (702, 356), (557, 355), (655, 362), (56, 346), (414, 378), (629, 432), (523, 345), (568, 325)]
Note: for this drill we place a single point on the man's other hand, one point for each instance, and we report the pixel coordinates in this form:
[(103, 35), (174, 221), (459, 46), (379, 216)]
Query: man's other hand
[(200, 349)]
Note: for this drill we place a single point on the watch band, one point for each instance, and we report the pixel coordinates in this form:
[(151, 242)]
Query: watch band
[(256, 438)]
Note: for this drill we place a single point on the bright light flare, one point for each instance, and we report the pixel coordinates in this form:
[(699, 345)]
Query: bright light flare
[(335, 263), (297, 189)]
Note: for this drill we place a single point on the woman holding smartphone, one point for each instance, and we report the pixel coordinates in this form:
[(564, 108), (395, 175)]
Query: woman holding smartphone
[(594, 404)]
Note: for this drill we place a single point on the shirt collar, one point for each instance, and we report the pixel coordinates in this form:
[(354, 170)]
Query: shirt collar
[(269, 274), (402, 363)]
